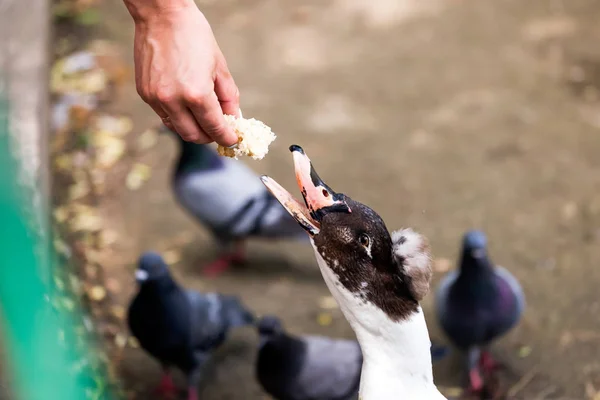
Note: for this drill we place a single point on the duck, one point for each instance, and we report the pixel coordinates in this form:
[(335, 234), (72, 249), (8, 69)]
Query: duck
[(180, 327), (476, 305), (227, 197), (308, 367), (377, 278)]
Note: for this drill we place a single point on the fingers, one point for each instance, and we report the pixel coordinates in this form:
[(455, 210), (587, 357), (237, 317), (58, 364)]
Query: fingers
[(226, 90), (184, 123), (209, 114)]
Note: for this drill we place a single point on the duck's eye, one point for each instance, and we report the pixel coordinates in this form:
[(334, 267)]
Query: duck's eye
[(325, 193), (364, 240)]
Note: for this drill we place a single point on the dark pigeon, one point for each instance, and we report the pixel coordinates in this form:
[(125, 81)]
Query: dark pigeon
[(228, 198), (477, 304), (310, 367), (180, 327)]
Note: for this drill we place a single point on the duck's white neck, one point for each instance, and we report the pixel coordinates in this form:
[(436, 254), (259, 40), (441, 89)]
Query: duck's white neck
[(396, 355)]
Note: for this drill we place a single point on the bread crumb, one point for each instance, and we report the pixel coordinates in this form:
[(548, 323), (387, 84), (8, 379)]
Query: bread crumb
[(254, 138)]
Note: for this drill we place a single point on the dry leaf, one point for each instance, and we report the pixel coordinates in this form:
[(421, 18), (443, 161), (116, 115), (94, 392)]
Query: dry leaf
[(118, 311), (97, 293), (139, 174), (324, 319), (86, 221), (120, 340), (328, 303), (79, 189), (524, 351), (61, 214), (172, 256), (133, 342), (112, 125), (147, 139), (442, 265), (107, 237), (109, 149)]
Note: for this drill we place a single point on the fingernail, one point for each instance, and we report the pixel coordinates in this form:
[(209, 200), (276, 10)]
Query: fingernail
[(233, 146), (240, 113)]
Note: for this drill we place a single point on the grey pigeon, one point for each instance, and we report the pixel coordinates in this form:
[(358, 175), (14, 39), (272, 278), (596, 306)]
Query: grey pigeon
[(228, 198), (180, 327), (307, 367), (477, 304)]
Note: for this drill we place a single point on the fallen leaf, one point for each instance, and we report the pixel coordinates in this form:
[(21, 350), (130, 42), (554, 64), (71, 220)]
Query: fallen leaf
[(63, 162), (113, 125), (133, 342), (147, 139), (139, 174), (61, 214), (442, 265), (328, 303), (524, 351), (172, 256), (120, 340), (107, 237), (109, 149), (324, 319), (118, 311), (79, 189), (113, 285), (97, 293), (86, 221)]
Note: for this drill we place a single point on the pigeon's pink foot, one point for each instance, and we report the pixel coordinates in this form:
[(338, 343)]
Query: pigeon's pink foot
[(166, 388), (475, 382), (218, 266), (488, 363), (192, 394), (222, 264)]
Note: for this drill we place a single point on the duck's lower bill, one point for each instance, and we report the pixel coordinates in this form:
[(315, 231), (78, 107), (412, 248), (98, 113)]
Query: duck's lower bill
[(318, 197)]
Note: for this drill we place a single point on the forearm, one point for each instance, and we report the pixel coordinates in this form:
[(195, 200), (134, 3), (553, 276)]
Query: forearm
[(143, 10)]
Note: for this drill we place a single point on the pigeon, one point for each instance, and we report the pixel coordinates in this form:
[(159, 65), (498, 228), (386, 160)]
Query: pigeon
[(477, 304), (228, 198), (179, 327), (310, 367)]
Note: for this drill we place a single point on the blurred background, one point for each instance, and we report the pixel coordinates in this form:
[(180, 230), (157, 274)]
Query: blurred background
[(442, 115)]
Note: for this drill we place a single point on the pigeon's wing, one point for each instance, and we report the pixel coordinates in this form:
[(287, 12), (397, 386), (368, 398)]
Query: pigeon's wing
[(510, 306), (225, 198), (331, 369), (207, 327), (515, 286)]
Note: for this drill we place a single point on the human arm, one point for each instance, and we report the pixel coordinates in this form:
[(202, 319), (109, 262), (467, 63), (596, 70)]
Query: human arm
[(180, 70)]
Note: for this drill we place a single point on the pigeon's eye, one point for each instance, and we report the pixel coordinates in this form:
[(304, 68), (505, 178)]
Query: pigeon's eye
[(364, 240)]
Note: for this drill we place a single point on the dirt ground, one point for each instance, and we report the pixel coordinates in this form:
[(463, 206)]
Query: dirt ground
[(443, 115)]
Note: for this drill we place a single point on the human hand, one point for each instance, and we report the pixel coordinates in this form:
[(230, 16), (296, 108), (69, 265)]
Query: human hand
[(182, 74)]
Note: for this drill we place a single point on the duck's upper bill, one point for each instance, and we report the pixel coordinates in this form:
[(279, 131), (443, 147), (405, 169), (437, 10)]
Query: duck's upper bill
[(319, 198)]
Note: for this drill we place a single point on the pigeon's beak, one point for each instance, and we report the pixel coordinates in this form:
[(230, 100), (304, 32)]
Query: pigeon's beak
[(141, 276), (318, 197)]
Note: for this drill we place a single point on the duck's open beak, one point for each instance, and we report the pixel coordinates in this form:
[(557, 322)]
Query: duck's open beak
[(318, 197)]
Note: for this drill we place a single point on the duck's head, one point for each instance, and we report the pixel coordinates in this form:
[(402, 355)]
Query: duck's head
[(151, 268), (361, 262)]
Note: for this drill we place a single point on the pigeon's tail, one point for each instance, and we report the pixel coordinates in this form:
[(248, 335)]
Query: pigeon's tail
[(236, 313)]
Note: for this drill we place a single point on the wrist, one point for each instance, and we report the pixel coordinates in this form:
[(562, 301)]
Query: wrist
[(146, 11)]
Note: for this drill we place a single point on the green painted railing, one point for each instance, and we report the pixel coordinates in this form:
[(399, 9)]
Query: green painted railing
[(45, 336)]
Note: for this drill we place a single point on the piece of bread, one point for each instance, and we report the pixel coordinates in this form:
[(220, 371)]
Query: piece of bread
[(254, 138)]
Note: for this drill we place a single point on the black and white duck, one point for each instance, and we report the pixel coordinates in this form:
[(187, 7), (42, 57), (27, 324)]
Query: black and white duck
[(378, 280)]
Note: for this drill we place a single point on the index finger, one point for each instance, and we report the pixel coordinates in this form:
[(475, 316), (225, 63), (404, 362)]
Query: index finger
[(210, 117)]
